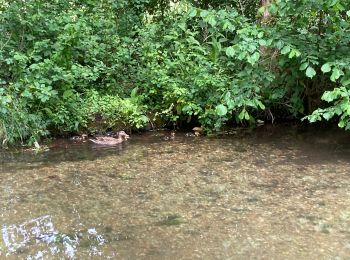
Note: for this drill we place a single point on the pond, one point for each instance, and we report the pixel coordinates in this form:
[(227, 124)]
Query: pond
[(277, 192)]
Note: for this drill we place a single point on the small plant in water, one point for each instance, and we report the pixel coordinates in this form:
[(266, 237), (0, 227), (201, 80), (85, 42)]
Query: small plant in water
[(171, 220)]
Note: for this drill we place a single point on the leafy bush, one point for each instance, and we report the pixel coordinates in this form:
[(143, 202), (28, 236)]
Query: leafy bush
[(104, 112), (203, 64), (17, 122), (71, 66), (315, 48)]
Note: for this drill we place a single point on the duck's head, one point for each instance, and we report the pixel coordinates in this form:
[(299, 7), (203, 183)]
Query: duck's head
[(122, 134)]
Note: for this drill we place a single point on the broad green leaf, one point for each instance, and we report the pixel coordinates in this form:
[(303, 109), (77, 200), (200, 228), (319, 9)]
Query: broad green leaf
[(326, 68), (260, 35), (251, 103), (269, 42), (246, 116), (221, 110), (47, 110), (261, 10), (304, 66), (254, 58), (334, 2), (204, 13), (182, 26), (27, 94), (273, 8), (348, 13), (242, 55), (260, 104), (328, 115), (336, 74), (68, 93), (262, 42), (285, 50), (211, 20), (230, 52), (328, 96), (193, 12), (242, 114), (230, 104), (341, 124), (227, 96), (340, 7), (312, 118), (133, 93), (294, 53), (345, 82), (310, 72)]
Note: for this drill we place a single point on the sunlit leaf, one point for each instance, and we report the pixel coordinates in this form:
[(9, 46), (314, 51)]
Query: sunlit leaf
[(328, 115), (345, 82), (230, 52), (221, 110), (193, 12), (326, 68), (254, 58), (336, 73), (304, 66), (241, 115), (285, 50), (310, 72), (328, 96), (204, 13)]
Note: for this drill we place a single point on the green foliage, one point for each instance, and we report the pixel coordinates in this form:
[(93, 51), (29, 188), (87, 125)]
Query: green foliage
[(203, 64), (70, 66), (52, 53), (104, 112), (17, 121), (321, 35), (340, 108)]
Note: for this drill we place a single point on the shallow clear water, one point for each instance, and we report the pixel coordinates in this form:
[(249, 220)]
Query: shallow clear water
[(273, 193)]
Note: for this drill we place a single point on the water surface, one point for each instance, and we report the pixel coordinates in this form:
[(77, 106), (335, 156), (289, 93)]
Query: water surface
[(273, 193)]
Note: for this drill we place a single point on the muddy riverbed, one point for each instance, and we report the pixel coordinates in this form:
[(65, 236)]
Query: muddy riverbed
[(278, 192)]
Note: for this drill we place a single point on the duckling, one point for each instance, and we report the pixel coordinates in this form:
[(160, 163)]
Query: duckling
[(171, 137), (82, 137), (106, 140)]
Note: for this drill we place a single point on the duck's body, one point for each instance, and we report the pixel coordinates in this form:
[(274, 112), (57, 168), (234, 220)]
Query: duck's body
[(106, 140), (198, 131)]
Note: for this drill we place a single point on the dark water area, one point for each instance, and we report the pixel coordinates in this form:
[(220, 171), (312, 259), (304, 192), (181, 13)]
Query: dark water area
[(275, 192)]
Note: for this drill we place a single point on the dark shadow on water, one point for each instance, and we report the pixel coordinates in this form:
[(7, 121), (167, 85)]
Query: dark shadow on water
[(315, 144)]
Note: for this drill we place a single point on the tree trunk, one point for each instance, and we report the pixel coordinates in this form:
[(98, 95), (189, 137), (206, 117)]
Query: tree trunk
[(265, 4)]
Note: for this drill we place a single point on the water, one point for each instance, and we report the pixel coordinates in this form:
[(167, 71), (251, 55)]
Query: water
[(272, 193)]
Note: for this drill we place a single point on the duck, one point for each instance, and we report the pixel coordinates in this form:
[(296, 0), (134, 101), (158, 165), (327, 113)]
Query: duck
[(82, 137), (171, 137), (198, 130), (107, 140)]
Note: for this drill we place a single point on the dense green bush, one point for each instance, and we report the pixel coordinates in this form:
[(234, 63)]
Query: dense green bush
[(191, 70), (52, 55), (70, 66)]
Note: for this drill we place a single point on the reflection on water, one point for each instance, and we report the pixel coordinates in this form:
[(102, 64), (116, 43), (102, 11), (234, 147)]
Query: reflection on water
[(41, 233), (36, 231), (276, 192)]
